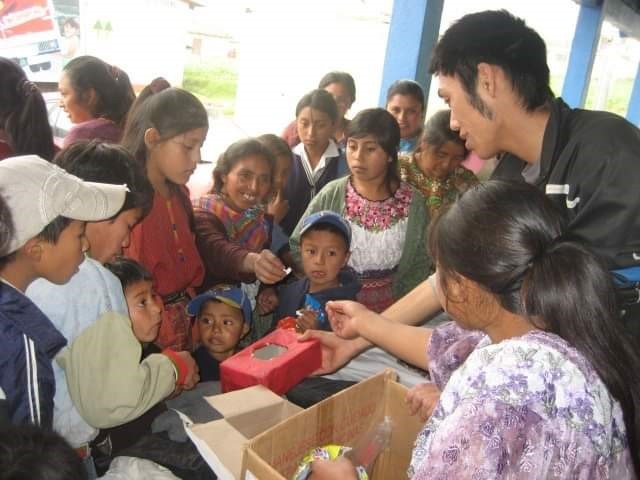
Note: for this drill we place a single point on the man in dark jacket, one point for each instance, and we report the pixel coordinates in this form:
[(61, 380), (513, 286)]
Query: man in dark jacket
[(493, 74)]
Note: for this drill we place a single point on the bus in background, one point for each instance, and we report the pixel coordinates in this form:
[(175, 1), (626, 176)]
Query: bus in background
[(30, 35)]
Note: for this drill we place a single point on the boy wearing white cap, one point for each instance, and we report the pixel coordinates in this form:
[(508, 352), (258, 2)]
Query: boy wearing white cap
[(49, 208)]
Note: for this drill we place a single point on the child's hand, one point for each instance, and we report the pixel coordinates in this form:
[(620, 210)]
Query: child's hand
[(278, 207), (422, 399), (193, 373), (267, 301), (268, 268), (308, 320)]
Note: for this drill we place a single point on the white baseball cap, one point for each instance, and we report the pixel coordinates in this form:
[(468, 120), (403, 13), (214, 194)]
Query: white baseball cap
[(37, 192)]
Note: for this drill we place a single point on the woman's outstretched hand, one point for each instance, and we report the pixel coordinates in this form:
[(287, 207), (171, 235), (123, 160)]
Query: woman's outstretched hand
[(336, 352)]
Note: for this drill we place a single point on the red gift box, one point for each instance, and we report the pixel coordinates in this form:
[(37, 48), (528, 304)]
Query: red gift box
[(293, 361)]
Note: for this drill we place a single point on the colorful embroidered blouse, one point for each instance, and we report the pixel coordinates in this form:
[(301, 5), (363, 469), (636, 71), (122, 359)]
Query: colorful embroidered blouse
[(377, 226), (226, 236), (528, 407), (436, 192)]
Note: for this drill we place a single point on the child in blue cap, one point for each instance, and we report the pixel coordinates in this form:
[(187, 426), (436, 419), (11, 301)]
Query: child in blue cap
[(325, 242), (223, 316)]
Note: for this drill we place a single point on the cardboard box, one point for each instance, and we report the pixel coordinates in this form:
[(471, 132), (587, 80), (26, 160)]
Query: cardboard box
[(246, 413), (278, 372), (340, 419)]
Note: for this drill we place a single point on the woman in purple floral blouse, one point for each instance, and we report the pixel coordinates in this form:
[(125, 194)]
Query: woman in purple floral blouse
[(537, 378)]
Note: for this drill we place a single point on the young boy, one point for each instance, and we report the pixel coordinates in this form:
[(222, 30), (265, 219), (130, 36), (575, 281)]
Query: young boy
[(100, 379), (49, 208), (223, 316), (325, 239)]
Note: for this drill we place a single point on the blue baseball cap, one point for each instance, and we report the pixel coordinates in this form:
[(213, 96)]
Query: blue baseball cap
[(330, 218), (232, 296)]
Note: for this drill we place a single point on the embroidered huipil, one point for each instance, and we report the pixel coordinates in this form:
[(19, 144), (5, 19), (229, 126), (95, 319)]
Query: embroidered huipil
[(378, 230), (436, 192), (530, 407)]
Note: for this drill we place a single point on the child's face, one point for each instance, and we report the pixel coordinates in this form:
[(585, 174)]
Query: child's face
[(109, 237), (221, 328), (315, 128), (144, 309), (280, 176), (342, 97), (175, 158), (324, 254), (408, 112), (439, 162), (367, 160), (248, 182), (76, 108), (60, 261)]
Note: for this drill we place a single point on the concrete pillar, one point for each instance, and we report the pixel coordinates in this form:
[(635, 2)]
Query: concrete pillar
[(413, 33), (583, 52)]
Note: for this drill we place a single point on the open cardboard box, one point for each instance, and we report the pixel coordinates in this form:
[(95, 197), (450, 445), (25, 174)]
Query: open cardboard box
[(340, 419), (246, 413)]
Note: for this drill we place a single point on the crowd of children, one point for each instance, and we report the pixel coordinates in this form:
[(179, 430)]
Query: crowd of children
[(118, 291)]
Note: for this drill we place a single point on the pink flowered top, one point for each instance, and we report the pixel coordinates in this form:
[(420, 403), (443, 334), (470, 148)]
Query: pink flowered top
[(380, 215), (530, 407), (377, 226)]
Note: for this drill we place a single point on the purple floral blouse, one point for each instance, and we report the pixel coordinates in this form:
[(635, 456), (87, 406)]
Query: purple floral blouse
[(530, 407)]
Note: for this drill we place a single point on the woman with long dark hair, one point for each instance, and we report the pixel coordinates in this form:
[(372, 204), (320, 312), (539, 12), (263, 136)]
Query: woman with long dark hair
[(538, 378)]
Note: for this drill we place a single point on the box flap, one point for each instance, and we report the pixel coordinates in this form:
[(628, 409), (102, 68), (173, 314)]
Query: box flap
[(245, 400), (247, 413)]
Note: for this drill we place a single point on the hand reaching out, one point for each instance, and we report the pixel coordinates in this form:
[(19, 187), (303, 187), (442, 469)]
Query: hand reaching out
[(422, 400), (268, 268)]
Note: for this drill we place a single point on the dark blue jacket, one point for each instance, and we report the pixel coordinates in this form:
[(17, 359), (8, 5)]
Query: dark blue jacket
[(291, 295), (28, 343), (299, 190)]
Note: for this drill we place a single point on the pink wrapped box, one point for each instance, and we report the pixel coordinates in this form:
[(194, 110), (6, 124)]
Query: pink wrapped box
[(278, 361)]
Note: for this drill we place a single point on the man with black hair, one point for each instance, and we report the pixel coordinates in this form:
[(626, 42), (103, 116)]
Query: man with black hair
[(493, 74)]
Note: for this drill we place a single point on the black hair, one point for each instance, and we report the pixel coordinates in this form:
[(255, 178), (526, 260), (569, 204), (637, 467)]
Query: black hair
[(437, 131), (343, 78), (497, 38), (171, 112), (51, 233), (276, 145), (383, 127), (508, 238), (73, 21), (113, 90), (157, 85), (327, 227), (37, 454), (129, 271), (95, 161), (6, 227), (23, 113), (236, 152), (407, 88), (321, 100)]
